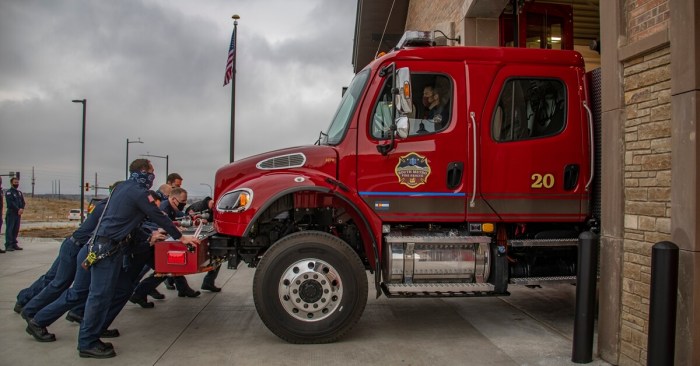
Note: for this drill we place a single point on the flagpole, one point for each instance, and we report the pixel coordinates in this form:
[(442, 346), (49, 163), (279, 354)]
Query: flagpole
[(235, 18)]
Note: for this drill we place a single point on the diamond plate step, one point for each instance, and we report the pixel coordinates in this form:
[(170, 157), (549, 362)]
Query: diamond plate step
[(438, 288), (541, 280)]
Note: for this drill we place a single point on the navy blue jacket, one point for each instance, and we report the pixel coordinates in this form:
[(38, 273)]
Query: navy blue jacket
[(84, 232), (128, 207), (15, 201)]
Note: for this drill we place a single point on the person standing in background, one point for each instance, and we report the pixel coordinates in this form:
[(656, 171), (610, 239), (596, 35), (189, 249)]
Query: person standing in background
[(2, 198), (15, 209)]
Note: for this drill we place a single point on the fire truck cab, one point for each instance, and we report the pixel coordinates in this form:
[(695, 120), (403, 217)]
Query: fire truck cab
[(446, 171)]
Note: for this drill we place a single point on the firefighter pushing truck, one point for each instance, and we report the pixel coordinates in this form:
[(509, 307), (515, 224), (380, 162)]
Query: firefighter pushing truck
[(493, 190)]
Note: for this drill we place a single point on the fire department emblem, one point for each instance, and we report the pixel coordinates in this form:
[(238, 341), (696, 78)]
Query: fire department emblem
[(412, 170)]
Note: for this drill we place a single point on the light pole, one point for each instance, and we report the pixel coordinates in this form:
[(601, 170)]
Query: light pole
[(127, 153), (211, 191), (82, 162), (166, 157)]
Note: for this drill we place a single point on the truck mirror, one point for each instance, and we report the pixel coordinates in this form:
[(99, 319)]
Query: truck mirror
[(402, 127), (404, 105)]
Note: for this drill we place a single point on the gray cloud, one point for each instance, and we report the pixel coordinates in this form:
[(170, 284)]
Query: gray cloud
[(154, 70)]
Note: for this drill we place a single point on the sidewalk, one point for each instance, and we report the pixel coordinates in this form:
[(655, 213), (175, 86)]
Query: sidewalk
[(531, 327)]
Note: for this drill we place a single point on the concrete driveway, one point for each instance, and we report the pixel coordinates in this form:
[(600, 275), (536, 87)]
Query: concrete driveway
[(531, 327)]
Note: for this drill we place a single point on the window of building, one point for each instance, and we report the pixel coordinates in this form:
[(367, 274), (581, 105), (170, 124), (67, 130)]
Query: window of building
[(529, 108)]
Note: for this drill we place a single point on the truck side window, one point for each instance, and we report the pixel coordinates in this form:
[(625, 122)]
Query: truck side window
[(529, 108), (432, 103)]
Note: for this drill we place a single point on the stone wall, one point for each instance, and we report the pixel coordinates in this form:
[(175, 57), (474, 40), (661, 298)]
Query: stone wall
[(647, 217), (645, 17)]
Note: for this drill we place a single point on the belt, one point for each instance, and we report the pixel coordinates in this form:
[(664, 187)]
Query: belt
[(105, 240)]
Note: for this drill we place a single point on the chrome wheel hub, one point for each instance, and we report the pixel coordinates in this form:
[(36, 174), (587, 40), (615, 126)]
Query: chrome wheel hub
[(310, 290)]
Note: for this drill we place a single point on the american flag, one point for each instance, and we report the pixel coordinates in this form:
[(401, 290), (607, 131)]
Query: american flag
[(231, 55)]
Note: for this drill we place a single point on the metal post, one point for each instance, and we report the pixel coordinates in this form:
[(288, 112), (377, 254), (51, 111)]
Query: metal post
[(661, 340), (586, 279), (127, 158), (235, 18), (166, 157), (127, 153), (82, 162)]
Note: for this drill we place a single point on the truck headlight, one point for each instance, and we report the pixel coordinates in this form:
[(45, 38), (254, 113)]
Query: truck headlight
[(235, 201)]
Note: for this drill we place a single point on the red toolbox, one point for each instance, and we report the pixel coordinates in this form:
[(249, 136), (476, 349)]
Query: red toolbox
[(173, 257)]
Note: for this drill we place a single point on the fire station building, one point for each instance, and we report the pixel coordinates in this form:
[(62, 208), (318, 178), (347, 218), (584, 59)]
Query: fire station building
[(647, 52)]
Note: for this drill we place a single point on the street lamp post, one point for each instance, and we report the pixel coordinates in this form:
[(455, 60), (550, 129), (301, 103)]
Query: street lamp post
[(127, 153), (82, 161), (211, 191), (166, 157)]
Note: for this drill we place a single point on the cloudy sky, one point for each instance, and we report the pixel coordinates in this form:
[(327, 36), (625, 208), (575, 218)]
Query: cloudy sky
[(154, 69)]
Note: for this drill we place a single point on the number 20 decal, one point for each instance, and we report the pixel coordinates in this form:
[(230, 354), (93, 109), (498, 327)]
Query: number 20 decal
[(542, 181)]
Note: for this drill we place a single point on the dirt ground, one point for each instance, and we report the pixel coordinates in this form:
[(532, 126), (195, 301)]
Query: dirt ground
[(42, 209)]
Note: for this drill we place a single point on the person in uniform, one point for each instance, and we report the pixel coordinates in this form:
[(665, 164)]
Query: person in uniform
[(172, 207), (206, 206), (65, 267), (2, 199), (128, 206), (15, 209)]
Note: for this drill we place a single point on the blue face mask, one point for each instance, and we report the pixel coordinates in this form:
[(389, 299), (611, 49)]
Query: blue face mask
[(143, 178)]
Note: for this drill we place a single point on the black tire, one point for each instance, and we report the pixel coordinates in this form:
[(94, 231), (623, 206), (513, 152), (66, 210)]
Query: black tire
[(498, 273), (333, 306)]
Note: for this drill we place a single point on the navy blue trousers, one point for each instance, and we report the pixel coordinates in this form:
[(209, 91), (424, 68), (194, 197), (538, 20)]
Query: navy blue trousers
[(11, 229), (129, 277), (35, 288), (65, 273), (104, 276), (73, 296)]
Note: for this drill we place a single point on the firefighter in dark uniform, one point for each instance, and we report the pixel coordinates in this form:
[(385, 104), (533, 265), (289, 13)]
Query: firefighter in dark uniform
[(206, 206), (65, 265), (126, 210), (15, 209), (2, 198), (172, 207)]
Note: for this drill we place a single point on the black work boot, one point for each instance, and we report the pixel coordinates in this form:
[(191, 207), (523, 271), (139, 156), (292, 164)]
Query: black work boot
[(141, 301), (39, 333), (73, 317), (100, 350), (169, 283), (188, 292), (110, 333), (210, 287)]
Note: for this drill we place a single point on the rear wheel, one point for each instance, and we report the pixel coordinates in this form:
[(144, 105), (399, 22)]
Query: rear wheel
[(310, 287)]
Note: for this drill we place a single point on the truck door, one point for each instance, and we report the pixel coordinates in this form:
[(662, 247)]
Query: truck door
[(422, 177), (532, 160)]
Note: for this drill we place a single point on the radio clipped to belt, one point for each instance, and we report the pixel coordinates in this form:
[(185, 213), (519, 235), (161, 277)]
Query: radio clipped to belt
[(92, 256)]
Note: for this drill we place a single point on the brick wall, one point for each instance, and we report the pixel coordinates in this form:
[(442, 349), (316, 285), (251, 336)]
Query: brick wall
[(647, 88), (645, 17), (425, 14)]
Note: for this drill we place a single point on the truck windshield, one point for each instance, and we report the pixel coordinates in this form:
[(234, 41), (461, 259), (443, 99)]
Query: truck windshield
[(336, 131)]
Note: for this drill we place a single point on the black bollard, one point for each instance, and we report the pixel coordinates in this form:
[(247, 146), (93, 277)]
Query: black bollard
[(586, 278), (661, 340)]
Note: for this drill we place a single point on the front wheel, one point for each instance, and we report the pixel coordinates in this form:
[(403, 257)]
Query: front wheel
[(310, 287)]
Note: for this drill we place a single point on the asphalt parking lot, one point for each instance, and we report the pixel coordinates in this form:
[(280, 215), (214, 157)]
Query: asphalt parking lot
[(530, 327)]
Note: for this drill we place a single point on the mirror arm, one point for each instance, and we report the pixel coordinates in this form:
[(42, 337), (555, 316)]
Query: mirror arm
[(384, 149)]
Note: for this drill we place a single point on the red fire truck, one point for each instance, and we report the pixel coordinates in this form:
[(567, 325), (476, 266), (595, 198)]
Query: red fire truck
[(446, 171)]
